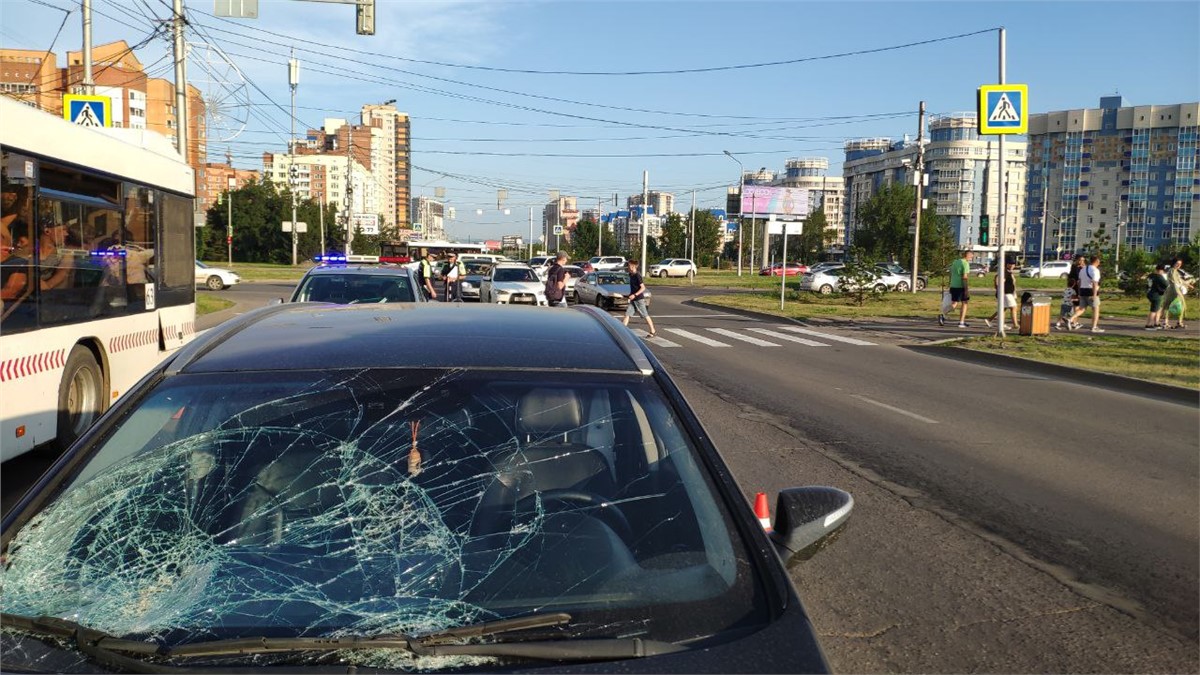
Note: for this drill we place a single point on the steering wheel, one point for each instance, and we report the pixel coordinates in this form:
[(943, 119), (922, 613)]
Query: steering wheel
[(607, 511)]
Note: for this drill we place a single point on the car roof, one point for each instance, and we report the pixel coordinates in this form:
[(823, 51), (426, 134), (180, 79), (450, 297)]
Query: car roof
[(368, 270), (317, 336)]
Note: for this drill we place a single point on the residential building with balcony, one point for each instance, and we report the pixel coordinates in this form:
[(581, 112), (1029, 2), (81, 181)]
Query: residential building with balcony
[(1115, 166), (215, 181), (826, 193), (428, 219)]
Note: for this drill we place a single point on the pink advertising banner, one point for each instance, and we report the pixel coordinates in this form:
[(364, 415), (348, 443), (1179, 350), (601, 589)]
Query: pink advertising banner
[(766, 199)]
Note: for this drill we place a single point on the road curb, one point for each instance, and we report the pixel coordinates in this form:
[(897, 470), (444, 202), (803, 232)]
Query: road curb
[(1121, 383)]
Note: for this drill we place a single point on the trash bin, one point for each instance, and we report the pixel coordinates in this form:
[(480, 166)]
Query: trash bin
[(1035, 316)]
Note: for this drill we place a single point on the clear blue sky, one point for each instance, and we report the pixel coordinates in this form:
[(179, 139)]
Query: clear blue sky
[(1070, 54)]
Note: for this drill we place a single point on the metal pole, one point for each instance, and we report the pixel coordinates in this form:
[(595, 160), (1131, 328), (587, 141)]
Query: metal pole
[(783, 267), (753, 227), (599, 229), (1045, 210), (1117, 257), (692, 235), (88, 83), (181, 143), (531, 232), (1002, 180), (229, 220), (293, 80), (323, 193), (645, 214), (920, 188), (347, 199)]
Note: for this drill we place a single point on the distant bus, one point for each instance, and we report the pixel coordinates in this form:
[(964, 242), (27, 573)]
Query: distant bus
[(407, 251), (98, 276)]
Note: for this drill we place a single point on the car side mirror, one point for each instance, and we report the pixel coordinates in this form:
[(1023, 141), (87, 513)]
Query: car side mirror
[(807, 519), (275, 301)]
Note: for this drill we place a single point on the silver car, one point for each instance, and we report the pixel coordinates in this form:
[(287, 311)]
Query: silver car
[(477, 269), (673, 267), (609, 290), (512, 283)]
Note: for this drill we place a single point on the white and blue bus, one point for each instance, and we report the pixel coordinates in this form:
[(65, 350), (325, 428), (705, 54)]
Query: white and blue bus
[(96, 236)]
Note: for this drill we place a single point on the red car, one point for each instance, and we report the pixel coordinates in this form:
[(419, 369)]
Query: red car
[(793, 269), (583, 265)]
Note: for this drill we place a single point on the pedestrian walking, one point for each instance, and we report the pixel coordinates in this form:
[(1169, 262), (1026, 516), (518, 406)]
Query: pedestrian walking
[(637, 298), (452, 275), (556, 281), (1010, 295), (1066, 310), (1089, 293), (960, 295), (425, 275), (1157, 287), (1173, 298)]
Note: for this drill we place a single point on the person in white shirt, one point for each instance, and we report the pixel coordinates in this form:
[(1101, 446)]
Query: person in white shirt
[(1089, 293)]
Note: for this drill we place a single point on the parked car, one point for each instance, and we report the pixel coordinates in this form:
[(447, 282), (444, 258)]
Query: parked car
[(978, 269), (486, 257), (899, 279), (821, 266), (512, 283), (608, 263), (541, 265), (355, 486), (1049, 270), (358, 284), (215, 278), (574, 274), (673, 267), (609, 290), (775, 270), (584, 265), (828, 281), (470, 284)]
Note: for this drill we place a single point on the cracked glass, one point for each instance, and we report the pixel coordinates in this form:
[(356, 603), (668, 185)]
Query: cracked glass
[(382, 502)]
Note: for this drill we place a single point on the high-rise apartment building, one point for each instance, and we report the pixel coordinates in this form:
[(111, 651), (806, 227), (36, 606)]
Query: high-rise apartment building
[(824, 192), (394, 166), (428, 219), (215, 180), (1116, 166), (661, 203), (137, 100), (963, 178), (330, 179), (565, 212)]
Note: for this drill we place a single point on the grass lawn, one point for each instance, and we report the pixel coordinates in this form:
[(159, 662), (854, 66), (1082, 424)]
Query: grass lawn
[(264, 271), (207, 304), (1174, 362), (805, 304)]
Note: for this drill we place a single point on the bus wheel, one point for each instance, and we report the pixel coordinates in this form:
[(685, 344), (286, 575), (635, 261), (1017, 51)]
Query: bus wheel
[(80, 395)]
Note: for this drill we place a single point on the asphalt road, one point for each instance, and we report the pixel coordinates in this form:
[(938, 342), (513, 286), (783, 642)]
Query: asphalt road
[(1092, 490), (1004, 522)]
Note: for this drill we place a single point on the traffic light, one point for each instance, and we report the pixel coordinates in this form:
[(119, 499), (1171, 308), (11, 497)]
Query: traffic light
[(365, 17), (984, 222)]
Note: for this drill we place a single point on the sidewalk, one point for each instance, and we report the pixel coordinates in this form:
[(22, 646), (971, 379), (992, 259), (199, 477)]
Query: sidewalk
[(928, 330)]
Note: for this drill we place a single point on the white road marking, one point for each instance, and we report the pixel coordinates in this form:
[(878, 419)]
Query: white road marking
[(744, 338), (894, 409), (827, 336), (656, 340), (704, 316), (789, 338), (692, 336)]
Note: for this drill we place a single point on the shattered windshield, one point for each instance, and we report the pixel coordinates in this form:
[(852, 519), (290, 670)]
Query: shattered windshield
[(384, 502)]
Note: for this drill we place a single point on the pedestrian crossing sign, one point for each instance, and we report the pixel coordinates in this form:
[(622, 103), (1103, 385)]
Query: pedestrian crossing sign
[(87, 111), (1004, 109)]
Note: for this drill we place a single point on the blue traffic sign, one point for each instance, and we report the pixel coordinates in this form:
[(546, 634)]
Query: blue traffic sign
[(87, 111), (1004, 109)]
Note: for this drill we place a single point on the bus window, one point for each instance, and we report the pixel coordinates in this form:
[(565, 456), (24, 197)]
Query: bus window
[(175, 269), (141, 233), (16, 245)]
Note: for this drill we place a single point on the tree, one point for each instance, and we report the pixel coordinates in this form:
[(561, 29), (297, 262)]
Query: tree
[(674, 238), (709, 232), (938, 247), (583, 241), (1134, 269), (259, 211), (884, 222), (859, 278), (1101, 246)]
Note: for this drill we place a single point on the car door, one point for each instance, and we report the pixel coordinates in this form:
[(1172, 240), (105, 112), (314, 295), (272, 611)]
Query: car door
[(485, 286), (584, 291)]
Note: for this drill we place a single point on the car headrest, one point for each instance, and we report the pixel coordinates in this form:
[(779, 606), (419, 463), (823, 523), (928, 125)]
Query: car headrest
[(549, 411)]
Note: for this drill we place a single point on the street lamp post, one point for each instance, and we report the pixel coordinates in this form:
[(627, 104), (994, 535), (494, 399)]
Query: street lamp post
[(232, 183), (741, 189)]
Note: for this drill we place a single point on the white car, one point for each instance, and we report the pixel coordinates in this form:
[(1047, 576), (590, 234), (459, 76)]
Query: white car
[(673, 267), (215, 278), (827, 281), (541, 265), (614, 263), (512, 284), (1054, 268)]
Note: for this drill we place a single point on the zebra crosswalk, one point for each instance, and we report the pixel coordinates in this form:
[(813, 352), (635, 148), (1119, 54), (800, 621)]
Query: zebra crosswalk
[(776, 336)]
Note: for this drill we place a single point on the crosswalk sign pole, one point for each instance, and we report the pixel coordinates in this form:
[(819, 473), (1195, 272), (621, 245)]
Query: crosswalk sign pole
[(1002, 229)]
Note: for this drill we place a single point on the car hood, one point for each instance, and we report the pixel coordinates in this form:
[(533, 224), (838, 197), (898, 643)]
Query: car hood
[(518, 286)]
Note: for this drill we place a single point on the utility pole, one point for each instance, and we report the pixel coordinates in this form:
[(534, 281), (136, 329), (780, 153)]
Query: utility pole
[(348, 198), (753, 227), (692, 233), (1045, 213), (741, 218), (293, 81), (181, 116), (920, 188), (89, 85), (599, 229), (231, 183), (645, 214), (324, 191), (531, 232), (1117, 257), (1002, 181)]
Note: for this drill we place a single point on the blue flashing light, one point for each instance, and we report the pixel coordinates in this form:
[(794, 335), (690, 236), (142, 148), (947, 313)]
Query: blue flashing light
[(334, 258), (108, 253)]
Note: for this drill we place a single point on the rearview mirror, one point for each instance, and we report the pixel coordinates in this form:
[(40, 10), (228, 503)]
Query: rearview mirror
[(807, 519)]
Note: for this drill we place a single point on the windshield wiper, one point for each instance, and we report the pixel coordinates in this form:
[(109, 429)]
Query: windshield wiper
[(96, 644)]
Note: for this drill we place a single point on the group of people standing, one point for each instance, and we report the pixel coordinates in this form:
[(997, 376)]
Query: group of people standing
[(1081, 294), (1166, 293)]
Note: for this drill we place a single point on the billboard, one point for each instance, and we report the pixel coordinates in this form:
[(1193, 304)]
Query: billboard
[(766, 199)]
